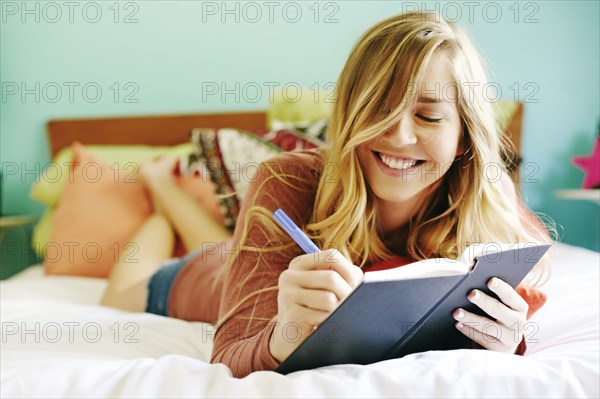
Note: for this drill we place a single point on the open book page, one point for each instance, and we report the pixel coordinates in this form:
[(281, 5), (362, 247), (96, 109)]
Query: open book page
[(442, 266), (421, 269)]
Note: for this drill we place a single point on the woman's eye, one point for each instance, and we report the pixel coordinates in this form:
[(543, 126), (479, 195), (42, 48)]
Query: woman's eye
[(429, 120)]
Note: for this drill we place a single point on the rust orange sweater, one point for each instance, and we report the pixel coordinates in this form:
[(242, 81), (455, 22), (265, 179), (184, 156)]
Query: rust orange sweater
[(247, 308)]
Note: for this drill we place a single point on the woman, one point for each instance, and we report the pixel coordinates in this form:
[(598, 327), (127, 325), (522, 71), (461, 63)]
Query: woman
[(402, 178)]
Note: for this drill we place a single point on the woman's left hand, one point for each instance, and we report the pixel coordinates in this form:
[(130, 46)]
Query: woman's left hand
[(504, 330)]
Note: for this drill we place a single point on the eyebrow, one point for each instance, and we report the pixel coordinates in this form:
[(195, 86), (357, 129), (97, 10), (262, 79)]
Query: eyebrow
[(429, 100)]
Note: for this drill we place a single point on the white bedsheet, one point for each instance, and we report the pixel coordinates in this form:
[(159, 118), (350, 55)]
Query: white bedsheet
[(56, 342)]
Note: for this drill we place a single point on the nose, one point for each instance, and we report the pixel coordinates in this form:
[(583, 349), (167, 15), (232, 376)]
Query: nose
[(402, 134)]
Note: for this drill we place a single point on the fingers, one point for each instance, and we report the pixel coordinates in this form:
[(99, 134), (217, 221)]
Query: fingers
[(320, 300), (315, 280), (304, 317), (329, 259), (512, 309), (314, 285), (508, 295), (488, 341), (509, 314), (494, 308), (487, 333)]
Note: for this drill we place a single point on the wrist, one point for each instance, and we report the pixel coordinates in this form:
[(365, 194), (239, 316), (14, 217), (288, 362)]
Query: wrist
[(275, 346)]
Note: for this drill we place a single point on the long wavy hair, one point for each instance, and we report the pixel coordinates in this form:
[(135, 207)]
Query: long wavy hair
[(374, 90)]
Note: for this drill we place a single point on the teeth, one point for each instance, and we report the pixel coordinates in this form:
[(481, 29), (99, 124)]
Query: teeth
[(395, 163)]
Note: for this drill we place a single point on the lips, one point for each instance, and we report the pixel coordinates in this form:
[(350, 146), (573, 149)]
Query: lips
[(396, 163)]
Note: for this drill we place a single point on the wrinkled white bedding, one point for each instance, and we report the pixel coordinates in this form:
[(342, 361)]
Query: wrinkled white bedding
[(56, 342)]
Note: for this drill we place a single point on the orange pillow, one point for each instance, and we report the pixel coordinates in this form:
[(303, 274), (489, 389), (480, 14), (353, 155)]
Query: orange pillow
[(98, 213)]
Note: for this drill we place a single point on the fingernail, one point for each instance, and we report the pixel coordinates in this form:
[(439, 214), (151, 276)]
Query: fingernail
[(494, 282), (474, 295), (460, 314), (459, 325)]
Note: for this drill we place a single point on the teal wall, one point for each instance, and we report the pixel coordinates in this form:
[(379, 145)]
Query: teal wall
[(167, 53)]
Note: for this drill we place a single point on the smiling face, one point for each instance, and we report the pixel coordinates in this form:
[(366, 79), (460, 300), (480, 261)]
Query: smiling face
[(401, 163)]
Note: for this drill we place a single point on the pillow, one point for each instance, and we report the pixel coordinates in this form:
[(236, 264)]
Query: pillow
[(41, 232), (231, 157), (85, 239), (49, 186), (305, 110)]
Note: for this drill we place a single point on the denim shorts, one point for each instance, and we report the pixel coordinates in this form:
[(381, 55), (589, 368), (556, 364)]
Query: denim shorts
[(159, 286)]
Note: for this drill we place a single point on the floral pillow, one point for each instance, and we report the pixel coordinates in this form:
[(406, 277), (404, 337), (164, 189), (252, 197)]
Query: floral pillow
[(231, 157)]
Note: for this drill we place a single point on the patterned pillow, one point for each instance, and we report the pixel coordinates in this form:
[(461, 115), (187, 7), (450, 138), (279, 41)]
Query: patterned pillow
[(315, 129), (231, 157)]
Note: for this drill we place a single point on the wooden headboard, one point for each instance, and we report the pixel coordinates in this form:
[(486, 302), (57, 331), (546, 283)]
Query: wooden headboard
[(169, 130), (161, 130)]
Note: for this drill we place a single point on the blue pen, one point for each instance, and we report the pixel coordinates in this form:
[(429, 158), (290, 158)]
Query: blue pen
[(294, 231)]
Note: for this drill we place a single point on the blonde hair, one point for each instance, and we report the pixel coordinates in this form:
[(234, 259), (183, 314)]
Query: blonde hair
[(374, 90)]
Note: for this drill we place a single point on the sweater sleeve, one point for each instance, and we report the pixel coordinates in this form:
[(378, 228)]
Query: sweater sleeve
[(535, 299), (249, 302)]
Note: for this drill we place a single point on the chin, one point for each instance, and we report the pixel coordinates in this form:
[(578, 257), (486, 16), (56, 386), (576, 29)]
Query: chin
[(399, 195)]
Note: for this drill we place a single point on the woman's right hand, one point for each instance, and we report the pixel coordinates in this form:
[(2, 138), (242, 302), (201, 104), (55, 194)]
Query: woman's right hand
[(309, 291)]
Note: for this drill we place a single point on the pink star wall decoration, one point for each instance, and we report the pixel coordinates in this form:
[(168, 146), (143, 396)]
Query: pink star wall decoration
[(591, 166)]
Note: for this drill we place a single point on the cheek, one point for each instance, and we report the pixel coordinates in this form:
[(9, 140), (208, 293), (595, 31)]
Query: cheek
[(450, 143), (443, 153), (363, 156)]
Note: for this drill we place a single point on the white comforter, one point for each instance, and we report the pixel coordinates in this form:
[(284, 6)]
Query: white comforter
[(56, 342)]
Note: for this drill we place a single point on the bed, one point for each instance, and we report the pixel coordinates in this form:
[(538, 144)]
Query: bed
[(58, 342)]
